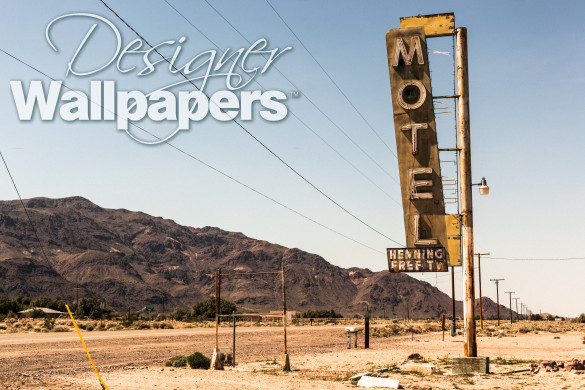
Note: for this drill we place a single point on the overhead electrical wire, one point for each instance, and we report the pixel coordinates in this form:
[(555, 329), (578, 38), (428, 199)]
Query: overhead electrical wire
[(534, 259), (291, 112), (253, 136), (188, 155), (310, 100), (331, 79), (25, 209)]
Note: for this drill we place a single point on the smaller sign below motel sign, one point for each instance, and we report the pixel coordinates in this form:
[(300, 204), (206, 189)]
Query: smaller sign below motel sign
[(417, 259)]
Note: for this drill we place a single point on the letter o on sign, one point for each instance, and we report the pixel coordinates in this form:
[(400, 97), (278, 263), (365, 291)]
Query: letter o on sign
[(411, 94)]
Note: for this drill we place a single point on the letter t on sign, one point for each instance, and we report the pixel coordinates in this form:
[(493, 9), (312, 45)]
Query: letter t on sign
[(414, 136)]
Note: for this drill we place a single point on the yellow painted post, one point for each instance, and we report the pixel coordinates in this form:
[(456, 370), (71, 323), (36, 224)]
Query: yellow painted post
[(86, 351)]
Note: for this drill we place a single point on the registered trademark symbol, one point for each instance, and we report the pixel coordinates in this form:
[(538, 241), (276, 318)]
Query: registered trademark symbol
[(295, 93)]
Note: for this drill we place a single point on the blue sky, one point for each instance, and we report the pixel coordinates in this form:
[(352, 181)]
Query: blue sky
[(526, 80)]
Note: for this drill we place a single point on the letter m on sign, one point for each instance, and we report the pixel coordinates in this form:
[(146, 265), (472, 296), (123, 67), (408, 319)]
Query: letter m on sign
[(415, 48)]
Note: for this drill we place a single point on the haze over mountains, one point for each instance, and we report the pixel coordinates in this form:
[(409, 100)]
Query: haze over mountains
[(132, 259)]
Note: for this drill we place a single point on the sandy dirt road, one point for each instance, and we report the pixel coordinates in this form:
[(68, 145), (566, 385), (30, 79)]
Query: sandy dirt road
[(319, 358)]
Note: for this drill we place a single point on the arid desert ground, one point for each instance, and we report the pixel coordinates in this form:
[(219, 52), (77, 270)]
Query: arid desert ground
[(134, 359)]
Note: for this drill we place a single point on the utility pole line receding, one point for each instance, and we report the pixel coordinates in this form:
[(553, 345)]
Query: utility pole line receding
[(516, 300), (479, 280), (510, 293), (497, 282)]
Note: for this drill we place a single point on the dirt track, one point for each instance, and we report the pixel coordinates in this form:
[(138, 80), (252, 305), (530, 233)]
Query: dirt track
[(319, 358)]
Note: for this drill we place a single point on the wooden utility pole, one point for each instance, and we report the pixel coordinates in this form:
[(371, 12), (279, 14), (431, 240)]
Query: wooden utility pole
[(497, 282), (217, 310), (470, 341), (510, 293), (216, 363), (234, 340), (516, 300), (479, 282), (77, 300), (285, 358)]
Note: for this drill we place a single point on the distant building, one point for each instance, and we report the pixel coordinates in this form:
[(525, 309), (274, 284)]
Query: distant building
[(48, 312), (278, 313), (273, 316)]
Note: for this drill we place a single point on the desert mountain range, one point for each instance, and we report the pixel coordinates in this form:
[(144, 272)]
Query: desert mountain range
[(132, 259)]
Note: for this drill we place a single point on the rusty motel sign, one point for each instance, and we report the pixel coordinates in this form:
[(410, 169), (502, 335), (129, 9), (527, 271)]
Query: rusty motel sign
[(432, 237)]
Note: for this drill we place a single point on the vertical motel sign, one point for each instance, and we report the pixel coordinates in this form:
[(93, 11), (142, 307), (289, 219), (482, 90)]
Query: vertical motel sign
[(425, 222)]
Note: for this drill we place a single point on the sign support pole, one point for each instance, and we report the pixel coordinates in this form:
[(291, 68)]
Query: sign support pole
[(453, 299), (470, 341)]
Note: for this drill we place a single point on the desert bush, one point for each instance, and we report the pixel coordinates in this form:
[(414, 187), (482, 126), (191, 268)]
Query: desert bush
[(49, 323), (205, 309), (177, 361), (61, 329), (320, 314), (397, 329), (198, 360), (415, 356), (178, 314), (129, 318), (92, 307), (141, 325)]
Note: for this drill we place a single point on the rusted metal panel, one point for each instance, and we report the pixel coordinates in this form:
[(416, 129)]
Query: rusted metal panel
[(453, 225), (416, 140), (437, 25)]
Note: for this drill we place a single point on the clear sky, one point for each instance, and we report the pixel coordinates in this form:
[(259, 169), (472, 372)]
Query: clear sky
[(526, 81)]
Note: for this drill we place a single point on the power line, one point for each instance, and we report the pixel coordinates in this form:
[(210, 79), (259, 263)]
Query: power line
[(291, 112), (192, 157), (332, 80), (309, 100), (526, 259), (25, 209), (252, 135)]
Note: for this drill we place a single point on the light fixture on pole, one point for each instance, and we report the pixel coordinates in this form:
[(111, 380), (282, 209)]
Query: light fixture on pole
[(484, 189)]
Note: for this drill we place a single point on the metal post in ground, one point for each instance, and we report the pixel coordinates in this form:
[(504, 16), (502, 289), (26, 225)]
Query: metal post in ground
[(367, 328)]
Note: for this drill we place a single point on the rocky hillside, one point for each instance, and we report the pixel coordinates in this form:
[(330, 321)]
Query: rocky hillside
[(132, 259)]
